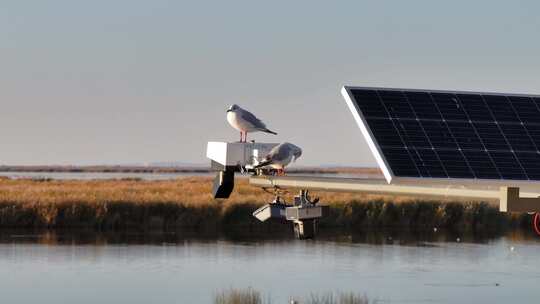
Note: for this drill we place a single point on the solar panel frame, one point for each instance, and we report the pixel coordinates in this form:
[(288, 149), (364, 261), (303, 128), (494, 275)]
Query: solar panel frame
[(475, 161)]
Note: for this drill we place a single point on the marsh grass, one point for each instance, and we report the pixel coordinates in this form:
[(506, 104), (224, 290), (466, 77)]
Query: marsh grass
[(251, 296), (337, 298), (187, 203), (239, 296)]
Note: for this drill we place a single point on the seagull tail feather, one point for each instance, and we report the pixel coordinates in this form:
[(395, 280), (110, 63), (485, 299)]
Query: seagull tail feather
[(269, 131)]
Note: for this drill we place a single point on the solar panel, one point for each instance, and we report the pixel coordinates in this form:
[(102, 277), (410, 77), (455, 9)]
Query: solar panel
[(450, 134)]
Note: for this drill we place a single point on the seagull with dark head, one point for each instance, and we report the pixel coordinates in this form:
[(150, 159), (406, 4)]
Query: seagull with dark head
[(244, 121), (280, 156)]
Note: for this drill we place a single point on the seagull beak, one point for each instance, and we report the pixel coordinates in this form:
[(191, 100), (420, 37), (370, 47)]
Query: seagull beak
[(229, 110)]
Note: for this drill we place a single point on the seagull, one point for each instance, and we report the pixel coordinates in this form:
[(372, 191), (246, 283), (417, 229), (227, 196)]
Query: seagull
[(280, 156), (245, 122)]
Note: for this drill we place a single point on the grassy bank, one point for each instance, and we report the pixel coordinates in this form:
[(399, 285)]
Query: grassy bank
[(187, 203)]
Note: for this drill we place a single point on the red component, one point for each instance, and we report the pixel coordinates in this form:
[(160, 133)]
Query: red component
[(536, 223)]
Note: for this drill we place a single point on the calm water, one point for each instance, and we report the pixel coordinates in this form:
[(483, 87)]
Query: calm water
[(48, 268), (100, 175), (146, 176)]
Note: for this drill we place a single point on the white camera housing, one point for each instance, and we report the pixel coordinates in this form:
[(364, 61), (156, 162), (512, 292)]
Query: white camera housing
[(238, 154)]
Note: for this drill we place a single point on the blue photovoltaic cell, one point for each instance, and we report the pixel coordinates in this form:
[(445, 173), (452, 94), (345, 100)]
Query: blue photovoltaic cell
[(454, 134)]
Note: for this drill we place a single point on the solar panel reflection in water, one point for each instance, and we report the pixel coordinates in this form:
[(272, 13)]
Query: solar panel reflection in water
[(447, 134)]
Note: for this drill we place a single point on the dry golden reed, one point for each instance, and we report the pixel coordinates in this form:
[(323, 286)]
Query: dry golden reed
[(187, 202)]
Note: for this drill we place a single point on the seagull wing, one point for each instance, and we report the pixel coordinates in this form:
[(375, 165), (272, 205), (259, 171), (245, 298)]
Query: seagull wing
[(277, 155), (252, 119), (281, 153)]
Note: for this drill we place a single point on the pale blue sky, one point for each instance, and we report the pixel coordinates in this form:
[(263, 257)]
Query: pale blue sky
[(91, 82)]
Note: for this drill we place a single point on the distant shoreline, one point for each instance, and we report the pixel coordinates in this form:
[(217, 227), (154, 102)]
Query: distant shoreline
[(161, 170)]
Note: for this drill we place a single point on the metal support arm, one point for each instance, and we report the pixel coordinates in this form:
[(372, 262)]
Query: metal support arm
[(508, 197)]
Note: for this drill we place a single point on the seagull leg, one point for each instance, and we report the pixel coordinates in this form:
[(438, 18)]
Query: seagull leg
[(245, 138), (241, 136)]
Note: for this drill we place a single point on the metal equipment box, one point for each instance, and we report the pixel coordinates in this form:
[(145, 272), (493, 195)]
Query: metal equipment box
[(304, 212), (270, 211)]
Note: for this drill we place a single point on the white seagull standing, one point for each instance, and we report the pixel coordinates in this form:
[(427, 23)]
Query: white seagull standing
[(245, 122), (280, 156)]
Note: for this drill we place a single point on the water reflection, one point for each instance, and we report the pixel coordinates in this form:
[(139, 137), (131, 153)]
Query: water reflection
[(379, 237)]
